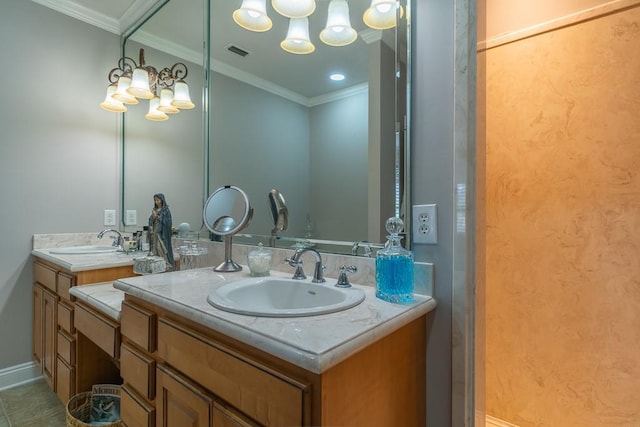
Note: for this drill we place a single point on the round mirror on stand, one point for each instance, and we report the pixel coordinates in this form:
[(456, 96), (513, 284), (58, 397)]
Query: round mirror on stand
[(226, 212)]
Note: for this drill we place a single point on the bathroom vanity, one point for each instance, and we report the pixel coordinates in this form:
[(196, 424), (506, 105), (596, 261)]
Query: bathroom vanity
[(184, 362), (181, 361), (56, 342)]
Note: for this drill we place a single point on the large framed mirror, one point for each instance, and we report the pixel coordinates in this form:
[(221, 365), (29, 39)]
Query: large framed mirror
[(268, 119)]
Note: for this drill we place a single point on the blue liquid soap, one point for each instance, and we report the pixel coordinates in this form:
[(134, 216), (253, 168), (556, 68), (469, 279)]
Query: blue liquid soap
[(394, 267)]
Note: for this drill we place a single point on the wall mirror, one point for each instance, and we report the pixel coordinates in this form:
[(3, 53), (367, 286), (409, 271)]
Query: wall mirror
[(266, 118)]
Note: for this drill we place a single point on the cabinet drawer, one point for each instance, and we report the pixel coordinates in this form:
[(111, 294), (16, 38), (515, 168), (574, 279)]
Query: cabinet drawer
[(65, 282), (44, 275), (135, 410), (257, 391), (65, 380), (138, 370), (65, 317), (105, 333), (139, 325), (66, 348)]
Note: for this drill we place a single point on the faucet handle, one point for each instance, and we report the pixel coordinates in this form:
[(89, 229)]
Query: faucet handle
[(299, 273), (343, 280)]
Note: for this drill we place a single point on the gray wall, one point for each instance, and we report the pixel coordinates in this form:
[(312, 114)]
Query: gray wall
[(165, 157), (338, 149), (272, 152), (432, 181), (59, 163), (59, 149)]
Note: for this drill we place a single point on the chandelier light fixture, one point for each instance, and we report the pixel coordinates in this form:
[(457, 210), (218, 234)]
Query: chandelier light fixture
[(131, 81), (338, 31), (381, 15), (294, 8), (252, 15), (297, 40)]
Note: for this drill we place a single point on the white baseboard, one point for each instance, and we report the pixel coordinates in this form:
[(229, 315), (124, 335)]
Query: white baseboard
[(496, 422), (18, 375)]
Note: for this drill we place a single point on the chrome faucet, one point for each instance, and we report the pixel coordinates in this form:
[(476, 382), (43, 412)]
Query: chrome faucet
[(295, 261), (117, 241), (368, 247)]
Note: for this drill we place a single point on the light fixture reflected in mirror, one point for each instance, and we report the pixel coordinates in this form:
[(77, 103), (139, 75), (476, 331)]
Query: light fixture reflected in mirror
[(140, 87), (382, 14), (338, 31), (111, 104), (131, 80), (122, 94), (166, 99), (297, 40), (252, 15), (294, 8), (154, 114)]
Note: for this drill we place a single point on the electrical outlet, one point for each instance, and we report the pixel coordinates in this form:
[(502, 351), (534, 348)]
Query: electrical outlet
[(425, 224), (131, 217), (109, 217)]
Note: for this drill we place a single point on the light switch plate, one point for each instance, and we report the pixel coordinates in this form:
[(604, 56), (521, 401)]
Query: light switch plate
[(109, 217), (131, 217)]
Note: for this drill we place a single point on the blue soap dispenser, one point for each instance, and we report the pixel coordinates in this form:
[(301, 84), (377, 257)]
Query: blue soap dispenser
[(394, 267)]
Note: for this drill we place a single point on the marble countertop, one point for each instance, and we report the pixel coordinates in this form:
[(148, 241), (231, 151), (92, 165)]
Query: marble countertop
[(85, 262), (101, 296), (315, 343)]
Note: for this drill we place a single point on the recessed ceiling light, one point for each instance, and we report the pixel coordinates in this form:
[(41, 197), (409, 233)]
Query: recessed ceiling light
[(336, 77)]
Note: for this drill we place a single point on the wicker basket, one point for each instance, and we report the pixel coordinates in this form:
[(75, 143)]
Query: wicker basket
[(79, 406)]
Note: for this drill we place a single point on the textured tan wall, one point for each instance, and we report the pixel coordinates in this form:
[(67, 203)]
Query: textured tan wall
[(563, 226)]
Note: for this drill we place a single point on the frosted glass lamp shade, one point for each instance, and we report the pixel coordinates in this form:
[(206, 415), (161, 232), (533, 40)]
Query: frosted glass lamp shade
[(140, 84), (294, 8), (121, 92), (338, 31), (181, 98), (166, 97), (155, 114), (252, 15), (381, 15), (297, 40), (111, 104)]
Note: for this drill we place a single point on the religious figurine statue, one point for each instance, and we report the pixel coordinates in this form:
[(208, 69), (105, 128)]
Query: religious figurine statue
[(160, 230)]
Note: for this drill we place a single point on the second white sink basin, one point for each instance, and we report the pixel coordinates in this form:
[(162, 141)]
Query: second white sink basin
[(78, 250), (281, 297)]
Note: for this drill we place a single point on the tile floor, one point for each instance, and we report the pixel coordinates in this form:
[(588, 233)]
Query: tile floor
[(31, 405)]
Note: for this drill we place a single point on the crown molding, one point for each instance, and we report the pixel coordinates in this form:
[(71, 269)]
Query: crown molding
[(113, 25), (74, 10), (136, 11), (339, 94), (139, 7)]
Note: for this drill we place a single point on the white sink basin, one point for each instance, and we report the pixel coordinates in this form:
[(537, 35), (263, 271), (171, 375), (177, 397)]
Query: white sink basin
[(78, 250), (281, 297)]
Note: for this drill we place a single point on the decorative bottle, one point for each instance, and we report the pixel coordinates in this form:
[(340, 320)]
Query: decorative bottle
[(394, 267), (144, 239)]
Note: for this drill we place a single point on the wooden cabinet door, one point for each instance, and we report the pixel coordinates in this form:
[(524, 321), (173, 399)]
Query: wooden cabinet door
[(38, 325), (50, 337), (180, 402), (65, 380), (224, 416)]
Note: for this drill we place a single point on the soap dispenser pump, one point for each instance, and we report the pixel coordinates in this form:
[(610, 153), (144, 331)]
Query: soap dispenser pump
[(394, 267)]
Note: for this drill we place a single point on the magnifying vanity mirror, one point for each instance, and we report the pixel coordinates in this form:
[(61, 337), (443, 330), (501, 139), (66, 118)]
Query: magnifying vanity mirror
[(225, 213), (266, 118), (279, 214)]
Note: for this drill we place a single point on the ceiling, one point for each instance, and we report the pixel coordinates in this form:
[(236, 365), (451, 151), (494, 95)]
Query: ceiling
[(178, 29)]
